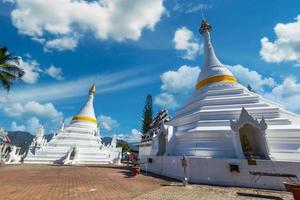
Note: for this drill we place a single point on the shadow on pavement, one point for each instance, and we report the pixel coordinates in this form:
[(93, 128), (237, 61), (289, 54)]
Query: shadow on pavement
[(165, 178), (127, 173), (258, 196)]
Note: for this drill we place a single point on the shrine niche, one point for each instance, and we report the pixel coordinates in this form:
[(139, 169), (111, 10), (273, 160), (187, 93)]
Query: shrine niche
[(73, 153), (250, 134)]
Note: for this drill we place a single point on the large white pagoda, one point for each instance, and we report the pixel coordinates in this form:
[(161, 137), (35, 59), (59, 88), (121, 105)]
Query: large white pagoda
[(225, 119), (223, 128), (78, 143)]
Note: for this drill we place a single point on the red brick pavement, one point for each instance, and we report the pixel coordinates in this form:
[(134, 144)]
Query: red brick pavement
[(66, 182)]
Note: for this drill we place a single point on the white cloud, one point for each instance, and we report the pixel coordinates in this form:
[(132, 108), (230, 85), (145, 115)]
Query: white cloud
[(109, 82), (8, 1), (39, 40), (32, 108), (175, 85), (107, 123), (166, 100), (54, 72), (287, 93), (61, 44), (31, 68), (135, 136), (15, 127), (106, 19), (286, 46), (247, 77), (33, 71), (30, 114), (190, 7), (184, 40), (180, 81), (29, 126)]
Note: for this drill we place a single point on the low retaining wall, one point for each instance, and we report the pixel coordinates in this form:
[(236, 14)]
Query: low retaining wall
[(217, 171)]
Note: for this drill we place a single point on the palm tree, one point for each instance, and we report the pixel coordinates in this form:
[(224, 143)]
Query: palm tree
[(9, 69)]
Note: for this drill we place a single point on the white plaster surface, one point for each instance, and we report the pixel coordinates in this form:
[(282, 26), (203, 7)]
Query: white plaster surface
[(216, 171)]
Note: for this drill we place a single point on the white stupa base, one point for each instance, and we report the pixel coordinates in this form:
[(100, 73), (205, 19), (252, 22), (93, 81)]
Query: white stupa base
[(85, 156), (216, 171)]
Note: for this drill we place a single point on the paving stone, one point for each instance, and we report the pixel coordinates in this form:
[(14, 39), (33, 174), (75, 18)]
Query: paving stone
[(77, 183), (203, 192), (68, 182)]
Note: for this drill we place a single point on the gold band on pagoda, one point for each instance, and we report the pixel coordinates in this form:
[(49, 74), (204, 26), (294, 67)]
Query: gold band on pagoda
[(85, 118), (223, 78)]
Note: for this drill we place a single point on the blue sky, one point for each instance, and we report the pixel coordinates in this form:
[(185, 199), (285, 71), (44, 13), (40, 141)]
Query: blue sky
[(134, 48)]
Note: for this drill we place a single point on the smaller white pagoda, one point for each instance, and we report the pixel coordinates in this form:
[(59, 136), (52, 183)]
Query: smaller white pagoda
[(78, 143), (39, 140)]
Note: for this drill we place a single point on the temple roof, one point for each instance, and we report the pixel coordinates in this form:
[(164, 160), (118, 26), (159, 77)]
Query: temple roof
[(212, 70)]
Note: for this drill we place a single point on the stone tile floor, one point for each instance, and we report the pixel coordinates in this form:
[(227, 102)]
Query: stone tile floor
[(71, 182), (205, 192), (65, 182)]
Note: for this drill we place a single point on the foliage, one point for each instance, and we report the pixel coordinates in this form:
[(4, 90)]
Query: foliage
[(125, 146), (147, 116), (9, 69)]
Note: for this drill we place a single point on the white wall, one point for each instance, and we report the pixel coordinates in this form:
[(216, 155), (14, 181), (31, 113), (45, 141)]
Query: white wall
[(144, 150), (217, 171)]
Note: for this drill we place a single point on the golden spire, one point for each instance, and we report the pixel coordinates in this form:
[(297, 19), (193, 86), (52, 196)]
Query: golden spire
[(93, 89), (205, 26)]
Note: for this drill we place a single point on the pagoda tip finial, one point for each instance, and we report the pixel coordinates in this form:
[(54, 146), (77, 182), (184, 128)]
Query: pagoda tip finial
[(203, 19), (205, 26), (93, 89)]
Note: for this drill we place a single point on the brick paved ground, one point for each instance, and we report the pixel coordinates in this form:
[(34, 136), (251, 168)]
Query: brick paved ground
[(64, 182), (204, 192)]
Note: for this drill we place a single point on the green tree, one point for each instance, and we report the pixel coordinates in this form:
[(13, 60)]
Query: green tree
[(125, 146), (9, 69), (147, 116)]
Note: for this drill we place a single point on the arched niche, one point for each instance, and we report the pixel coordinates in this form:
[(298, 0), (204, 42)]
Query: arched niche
[(251, 142), (249, 137), (72, 154)]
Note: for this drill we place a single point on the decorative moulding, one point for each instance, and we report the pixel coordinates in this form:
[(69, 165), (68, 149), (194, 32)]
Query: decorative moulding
[(246, 118)]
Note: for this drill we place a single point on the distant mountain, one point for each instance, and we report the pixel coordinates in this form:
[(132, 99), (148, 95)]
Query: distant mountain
[(20, 138), (23, 139)]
